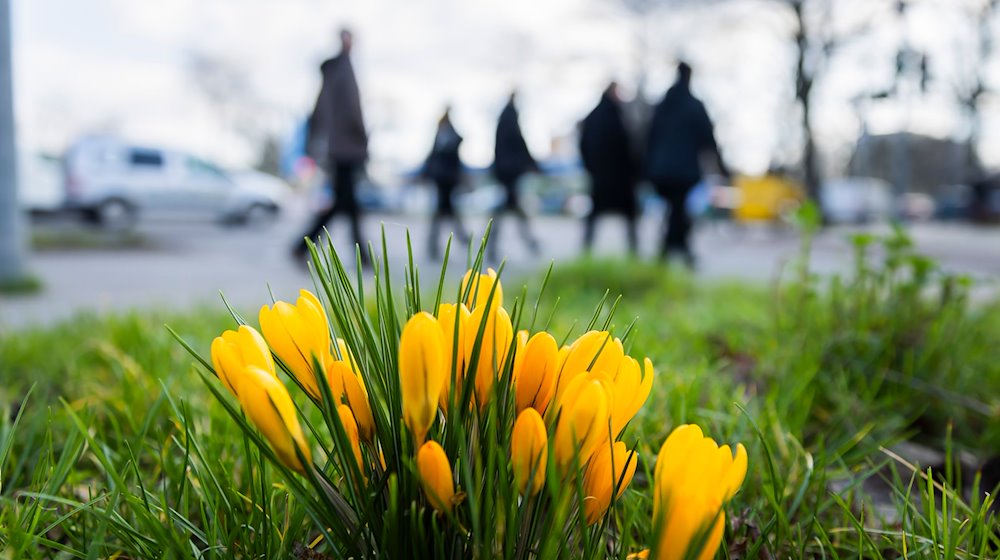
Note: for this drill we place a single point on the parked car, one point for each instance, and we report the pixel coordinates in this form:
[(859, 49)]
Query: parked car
[(856, 200), (113, 182)]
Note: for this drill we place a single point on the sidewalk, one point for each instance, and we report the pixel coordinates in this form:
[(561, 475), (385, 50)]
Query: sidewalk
[(189, 264)]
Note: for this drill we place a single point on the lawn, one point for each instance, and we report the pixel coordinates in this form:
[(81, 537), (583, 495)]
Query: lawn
[(869, 407)]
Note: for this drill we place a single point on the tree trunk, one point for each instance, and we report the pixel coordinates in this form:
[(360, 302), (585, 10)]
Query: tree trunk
[(11, 240), (803, 95)]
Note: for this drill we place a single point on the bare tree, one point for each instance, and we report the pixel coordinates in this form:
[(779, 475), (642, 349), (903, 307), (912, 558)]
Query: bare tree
[(12, 266), (971, 94)]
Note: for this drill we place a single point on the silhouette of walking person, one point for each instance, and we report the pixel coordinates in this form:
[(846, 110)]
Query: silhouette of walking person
[(679, 134), (512, 160), (444, 168), (338, 137), (607, 155)]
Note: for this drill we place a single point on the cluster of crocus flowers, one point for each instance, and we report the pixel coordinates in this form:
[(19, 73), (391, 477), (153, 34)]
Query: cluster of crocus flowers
[(244, 364), (574, 400), (298, 334), (563, 411)]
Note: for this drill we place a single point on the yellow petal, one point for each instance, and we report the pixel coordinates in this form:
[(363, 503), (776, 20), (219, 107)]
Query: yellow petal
[(583, 423), (351, 430), (435, 476), (268, 405), (421, 372), (360, 406), (535, 375), (529, 451), (452, 318), (496, 342), (479, 293)]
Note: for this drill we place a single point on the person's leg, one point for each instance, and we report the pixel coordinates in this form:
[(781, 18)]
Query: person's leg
[(632, 231), (432, 238), (589, 223), (319, 220), (529, 238), (347, 202), (679, 225)]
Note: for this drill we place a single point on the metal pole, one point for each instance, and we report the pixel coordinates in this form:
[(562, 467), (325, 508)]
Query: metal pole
[(11, 240)]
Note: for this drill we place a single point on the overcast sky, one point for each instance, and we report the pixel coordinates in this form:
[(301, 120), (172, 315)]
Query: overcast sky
[(125, 66)]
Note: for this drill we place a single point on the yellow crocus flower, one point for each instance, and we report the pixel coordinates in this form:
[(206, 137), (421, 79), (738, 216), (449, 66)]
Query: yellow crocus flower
[(529, 451), (435, 476), (583, 421), (448, 315), (482, 285), (693, 480), (593, 351), (631, 391), (345, 386), (421, 372), (266, 402), (233, 351), (298, 334), (497, 336), (351, 429), (609, 465), (535, 372)]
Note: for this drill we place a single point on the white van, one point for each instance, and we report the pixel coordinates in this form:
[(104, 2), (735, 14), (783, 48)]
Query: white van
[(113, 182)]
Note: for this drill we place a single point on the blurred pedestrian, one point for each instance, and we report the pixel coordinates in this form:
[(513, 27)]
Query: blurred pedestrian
[(679, 135), (444, 168), (337, 137), (605, 149), (512, 160)]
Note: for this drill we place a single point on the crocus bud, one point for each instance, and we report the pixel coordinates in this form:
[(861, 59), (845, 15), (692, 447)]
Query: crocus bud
[(611, 465), (594, 351), (529, 451), (234, 351), (583, 421), (496, 341), (421, 372), (351, 429), (535, 372), (454, 336), (631, 391), (357, 400), (479, 293), (299, 334), (693, 480), (435, 476), (267, 403)]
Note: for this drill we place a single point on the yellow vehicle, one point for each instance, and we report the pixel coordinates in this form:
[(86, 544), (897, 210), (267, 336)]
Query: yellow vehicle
[(766, 198)]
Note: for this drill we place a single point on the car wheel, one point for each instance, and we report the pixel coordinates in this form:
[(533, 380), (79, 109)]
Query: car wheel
[(259, 215), (115, 214)]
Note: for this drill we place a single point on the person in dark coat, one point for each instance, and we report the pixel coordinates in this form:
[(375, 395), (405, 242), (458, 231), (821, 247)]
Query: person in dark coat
[(337, 137), (444, 168), (679, 134), (512, 160), (605, 149)]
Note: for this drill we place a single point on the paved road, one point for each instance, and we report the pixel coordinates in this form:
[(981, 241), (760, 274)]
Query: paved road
[(188, 264)]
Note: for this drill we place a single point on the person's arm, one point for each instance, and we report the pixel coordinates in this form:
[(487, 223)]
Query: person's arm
[(316, 126), (708, 131)]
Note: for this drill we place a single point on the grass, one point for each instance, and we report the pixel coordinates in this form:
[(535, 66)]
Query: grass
[(21, 286), (80, 238), (110, 444)]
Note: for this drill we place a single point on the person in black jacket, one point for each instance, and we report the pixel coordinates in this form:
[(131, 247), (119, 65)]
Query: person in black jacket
[(511, 161), (679, 134), (337, 137), (607, 156), (444, 168)]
